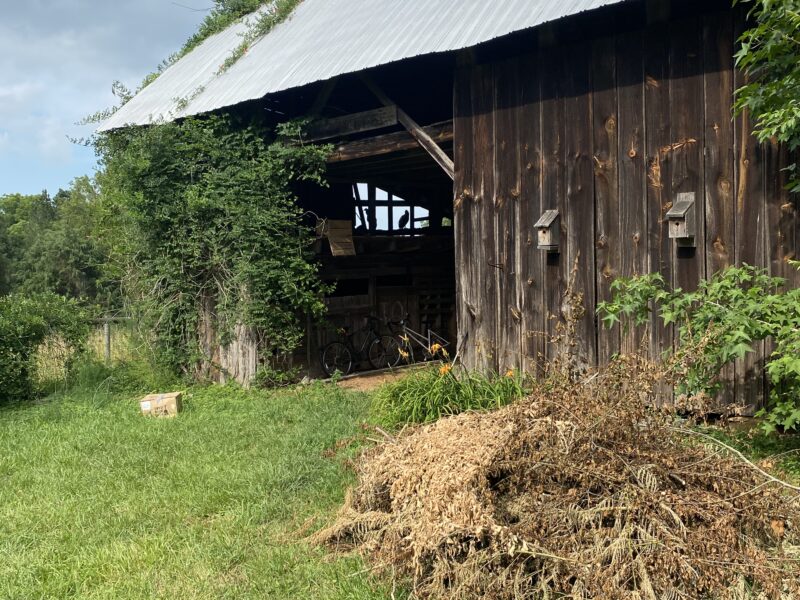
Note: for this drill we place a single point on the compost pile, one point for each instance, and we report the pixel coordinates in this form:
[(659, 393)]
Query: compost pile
[(577, 491)]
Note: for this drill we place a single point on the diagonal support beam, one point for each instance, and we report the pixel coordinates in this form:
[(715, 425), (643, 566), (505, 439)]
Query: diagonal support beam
[(419, 134), (321, 101)]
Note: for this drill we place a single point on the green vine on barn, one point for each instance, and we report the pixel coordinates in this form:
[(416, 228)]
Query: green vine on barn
[(267, 15), (211, 237), (278, 12)]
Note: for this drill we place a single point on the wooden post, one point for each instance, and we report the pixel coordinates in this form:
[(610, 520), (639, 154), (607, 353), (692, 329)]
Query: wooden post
[(362, 216), (107, 338), (372, 208), (308, 343), (390, 211)]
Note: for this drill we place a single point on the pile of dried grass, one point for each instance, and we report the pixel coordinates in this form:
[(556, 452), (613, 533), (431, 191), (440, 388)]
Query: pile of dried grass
[(577, 491)]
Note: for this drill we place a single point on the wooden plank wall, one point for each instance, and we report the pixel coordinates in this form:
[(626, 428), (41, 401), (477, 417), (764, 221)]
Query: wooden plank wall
[(608, 131)]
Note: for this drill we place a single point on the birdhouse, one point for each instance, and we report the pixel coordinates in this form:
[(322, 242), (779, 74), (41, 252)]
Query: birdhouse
[(548, 230), (682, 220)]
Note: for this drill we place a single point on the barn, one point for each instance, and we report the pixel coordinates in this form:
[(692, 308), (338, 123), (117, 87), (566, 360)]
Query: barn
[(488, 153)]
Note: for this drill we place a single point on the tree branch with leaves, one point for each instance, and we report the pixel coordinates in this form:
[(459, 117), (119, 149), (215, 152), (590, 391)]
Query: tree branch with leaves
[(769, 55)]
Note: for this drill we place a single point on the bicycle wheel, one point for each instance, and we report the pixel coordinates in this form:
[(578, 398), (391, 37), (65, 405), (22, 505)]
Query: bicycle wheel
[(384, 352), (336, 357)]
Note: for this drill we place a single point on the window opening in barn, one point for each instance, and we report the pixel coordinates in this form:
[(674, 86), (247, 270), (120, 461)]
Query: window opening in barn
[(378, 211)]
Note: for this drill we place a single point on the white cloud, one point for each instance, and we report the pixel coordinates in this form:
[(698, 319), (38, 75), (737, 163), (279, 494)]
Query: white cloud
[(18, 98), (5, 141), (58, 59), (19, 91), (52, 142)]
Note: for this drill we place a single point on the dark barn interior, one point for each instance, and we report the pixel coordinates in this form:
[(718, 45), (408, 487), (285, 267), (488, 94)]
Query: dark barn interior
[(389, 196)]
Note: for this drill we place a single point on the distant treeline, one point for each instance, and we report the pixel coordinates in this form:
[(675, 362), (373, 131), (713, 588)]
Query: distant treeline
[(56, 244)]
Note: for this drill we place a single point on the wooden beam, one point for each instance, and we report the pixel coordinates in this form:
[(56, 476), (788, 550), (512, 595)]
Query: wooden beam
[(422, 170), (389, 143), (369, 120), (372, 214), (321, 101), (425, 140), (361, 214), (401, 185), (658, 11)]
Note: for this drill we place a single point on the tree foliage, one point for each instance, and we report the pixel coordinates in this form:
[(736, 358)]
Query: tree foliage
[(212, 231), (718, 323), (770, 57), (53, 244)]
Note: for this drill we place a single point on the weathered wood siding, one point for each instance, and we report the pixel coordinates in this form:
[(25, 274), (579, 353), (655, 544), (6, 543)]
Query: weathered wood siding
[(608, 131)]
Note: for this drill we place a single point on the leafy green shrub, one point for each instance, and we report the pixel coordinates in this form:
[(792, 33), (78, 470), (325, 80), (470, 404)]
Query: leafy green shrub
[(439, 390), (25, 324), (719, 323), (769, 55)]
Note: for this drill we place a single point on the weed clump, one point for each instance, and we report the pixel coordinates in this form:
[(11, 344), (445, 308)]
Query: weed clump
[(441, 390), (577, 491)]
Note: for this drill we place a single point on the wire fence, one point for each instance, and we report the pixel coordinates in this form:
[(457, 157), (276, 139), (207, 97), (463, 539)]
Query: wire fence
[(114, 338)]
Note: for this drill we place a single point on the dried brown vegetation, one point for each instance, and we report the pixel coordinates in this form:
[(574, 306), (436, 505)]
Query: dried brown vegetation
[(578, 491)]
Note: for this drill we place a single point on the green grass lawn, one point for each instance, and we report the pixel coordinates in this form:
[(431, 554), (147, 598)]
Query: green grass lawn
[(97, 501)]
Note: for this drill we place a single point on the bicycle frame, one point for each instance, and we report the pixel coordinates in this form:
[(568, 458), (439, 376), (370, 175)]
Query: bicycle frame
[(343, 352), (370, 334), (426, 340)]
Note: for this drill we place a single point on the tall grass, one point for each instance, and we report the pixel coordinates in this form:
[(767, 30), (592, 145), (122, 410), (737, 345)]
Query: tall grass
[(125, 343), (51, 363), (439, 390), (134, 365)]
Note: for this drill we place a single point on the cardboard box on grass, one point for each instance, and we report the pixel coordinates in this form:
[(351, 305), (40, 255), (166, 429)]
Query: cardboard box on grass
[(161, 405)]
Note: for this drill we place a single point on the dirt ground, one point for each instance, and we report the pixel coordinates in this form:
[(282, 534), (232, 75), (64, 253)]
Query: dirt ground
[(370, 381)]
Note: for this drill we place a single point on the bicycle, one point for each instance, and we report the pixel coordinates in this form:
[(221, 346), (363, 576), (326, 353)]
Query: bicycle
[(381, 351), (432, 343)]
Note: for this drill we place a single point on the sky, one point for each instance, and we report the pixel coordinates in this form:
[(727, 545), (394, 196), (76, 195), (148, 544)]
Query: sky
[(58, 59)]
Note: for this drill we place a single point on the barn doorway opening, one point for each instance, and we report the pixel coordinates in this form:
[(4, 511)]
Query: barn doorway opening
[(386, 247), (385, 220)]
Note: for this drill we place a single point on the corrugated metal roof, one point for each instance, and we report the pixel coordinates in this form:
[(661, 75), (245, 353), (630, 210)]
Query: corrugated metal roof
[(326, 38)]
